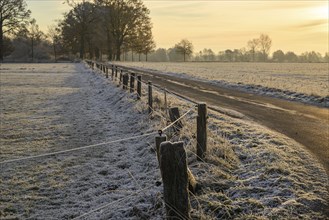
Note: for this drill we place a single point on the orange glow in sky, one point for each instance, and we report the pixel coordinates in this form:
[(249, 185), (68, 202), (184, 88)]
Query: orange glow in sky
[(297, 26)]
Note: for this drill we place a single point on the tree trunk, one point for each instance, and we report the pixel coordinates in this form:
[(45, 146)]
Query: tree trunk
[(1, 44), (55, 54), (118, 54), (32, 49), (109, 47), (82, 47)]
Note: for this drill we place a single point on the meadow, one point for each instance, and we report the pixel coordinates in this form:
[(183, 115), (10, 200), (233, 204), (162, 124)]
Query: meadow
[(310, 79), (250, 172)]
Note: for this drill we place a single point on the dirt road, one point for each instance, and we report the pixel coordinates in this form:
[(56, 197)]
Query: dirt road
[(308, 125)]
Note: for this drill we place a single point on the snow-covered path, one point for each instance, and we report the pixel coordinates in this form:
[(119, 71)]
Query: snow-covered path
[(52, 107)]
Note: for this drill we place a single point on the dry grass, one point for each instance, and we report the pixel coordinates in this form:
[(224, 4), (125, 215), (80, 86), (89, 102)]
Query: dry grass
[(249, 172)]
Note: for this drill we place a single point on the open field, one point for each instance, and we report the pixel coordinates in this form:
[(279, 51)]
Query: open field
[(251, 172), (307, 82)]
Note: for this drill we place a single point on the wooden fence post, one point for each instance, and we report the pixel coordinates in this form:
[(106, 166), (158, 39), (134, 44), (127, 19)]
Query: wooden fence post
[(116, 71), (174, 115), (165, 101), (120, 78), (139, 87), (174, 173), (107, 72), (125, 80), (158, 140), (150, 97), (202, 131), (112, 67), (132, 82)]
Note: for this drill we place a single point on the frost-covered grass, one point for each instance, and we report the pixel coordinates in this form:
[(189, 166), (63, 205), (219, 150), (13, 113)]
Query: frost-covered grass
[(306, 82), (51, 107), (250, 172)]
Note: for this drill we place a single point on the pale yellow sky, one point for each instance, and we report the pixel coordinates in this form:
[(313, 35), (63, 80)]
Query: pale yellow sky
[(297, 26)]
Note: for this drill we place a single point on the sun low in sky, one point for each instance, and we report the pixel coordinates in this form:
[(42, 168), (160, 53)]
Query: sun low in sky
[(297, 26)]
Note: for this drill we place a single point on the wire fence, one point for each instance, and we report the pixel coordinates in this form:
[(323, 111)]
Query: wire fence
[(163, 101), (168, 99)]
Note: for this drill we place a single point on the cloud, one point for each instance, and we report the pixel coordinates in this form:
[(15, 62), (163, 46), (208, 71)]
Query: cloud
[(311, 24), (180, 9), (288, 5)]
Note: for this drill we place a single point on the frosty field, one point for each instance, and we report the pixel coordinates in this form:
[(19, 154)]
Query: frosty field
[(307, 82), (250, 171)]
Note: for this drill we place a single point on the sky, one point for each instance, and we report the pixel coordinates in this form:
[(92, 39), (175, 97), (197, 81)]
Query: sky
[(292, 25)]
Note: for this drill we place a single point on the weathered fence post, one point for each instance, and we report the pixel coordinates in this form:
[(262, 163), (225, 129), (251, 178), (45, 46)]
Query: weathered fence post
[(120, 78), (202, 131), (174, 115), (125, 80), (174, 173), (116, 71), (112, 67), (165, 101), (150, 97), (158, 140), (132, 82), (107, 72), (139, 87)]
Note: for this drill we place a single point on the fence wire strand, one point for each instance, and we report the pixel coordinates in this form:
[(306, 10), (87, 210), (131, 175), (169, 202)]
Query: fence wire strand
[(76, 149), (114, 202)]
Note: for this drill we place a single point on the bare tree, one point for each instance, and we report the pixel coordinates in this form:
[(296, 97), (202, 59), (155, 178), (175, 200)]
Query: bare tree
[(265, 44), (13, 16), (54, 36), (253, 45), (35, 35), (278, 56), (291, 57), (76, 26), (184, 47), (126, 17), (144, 43)]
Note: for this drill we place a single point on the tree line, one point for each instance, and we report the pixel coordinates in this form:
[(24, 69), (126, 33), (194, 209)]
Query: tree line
[(257, 50), (88, 30), (115, 30)]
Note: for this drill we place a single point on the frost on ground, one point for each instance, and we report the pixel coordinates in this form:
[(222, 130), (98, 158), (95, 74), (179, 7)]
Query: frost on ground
[(249, 173), (303, 82), (51, 107)]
